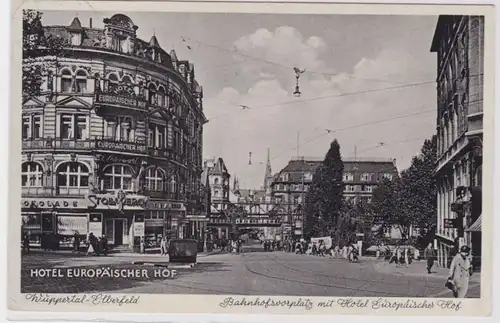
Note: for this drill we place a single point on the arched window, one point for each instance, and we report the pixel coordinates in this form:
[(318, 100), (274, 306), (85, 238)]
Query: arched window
[(216, 193), (81, 82), (112, 82), (127, 80), (152, 99), (66, 81), (117, 177), (155, 180), (72, 174), (216, 181), (31, 174), (161, 96)]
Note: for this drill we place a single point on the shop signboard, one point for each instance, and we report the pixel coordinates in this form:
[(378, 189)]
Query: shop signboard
[(118, 201), (106, 144), (111, 99), (95, 224), (139, 225), (53, 203)]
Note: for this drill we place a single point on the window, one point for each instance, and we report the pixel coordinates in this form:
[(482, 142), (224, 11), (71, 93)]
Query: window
[(216, 193), (349, 188), (348, 177), (365, 177), (117, 177), (173, 184), (73, 126), (66, 81), (308, 176), (367, 188), (31, 174), (32, 126), (161, 97), (112, 82), (124, 129), (387, 176), (216, 181), (72, 175), (154, 180), (152, 98), (81, 82)]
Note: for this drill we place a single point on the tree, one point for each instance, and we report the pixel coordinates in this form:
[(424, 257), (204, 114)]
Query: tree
[(417, 195), (384, 205), (36, 43), (324, 198)]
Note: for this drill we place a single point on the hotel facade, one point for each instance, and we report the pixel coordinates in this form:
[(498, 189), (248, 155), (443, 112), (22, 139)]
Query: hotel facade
[(459, 45), (113, 145)]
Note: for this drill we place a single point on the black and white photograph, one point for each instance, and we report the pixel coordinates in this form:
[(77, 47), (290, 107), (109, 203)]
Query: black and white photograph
[(305, 155)]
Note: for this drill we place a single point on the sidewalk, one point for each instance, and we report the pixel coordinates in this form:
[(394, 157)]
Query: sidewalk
[(70, 253), (418, 269)]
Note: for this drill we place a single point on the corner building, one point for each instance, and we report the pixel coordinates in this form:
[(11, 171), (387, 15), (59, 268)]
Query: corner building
[(459, 45), (113, 145)]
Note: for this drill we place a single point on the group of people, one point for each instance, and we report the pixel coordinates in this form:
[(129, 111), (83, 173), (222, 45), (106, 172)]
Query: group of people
[(95, 245), (226, 245)]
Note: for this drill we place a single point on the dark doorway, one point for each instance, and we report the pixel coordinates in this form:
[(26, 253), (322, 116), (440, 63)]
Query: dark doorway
[(47, 223), (118, 232)]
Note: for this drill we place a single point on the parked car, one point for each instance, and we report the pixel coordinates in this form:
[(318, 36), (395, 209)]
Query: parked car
[(183, 250)]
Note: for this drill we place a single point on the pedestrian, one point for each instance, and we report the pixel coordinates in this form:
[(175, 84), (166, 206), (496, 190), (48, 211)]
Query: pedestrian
[(104, 241), (26, 243), (76, 242), (377, 254), (90, 245), (142, 245), (399, 255), (416, 254), (429, 255), (163, 246), (460, 272), (407, 257)]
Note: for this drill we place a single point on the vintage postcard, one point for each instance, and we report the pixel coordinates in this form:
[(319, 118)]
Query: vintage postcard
[(238, 158)]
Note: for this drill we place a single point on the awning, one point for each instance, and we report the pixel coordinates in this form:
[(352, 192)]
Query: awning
[(69, 225), (476, 226)]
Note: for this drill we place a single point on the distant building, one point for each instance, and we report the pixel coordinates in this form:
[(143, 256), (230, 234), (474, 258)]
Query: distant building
[(218, 178), (361, 176), (459, 45)]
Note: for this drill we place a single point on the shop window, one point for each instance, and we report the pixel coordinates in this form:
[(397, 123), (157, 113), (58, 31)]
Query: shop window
[(31, 174), (117, 177), (66, 81), (32, 126), (73, 126), (155, 180), (72, 174)]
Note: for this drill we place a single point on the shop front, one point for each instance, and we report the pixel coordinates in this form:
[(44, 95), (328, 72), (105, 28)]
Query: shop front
[(120, 217), (53, 223)]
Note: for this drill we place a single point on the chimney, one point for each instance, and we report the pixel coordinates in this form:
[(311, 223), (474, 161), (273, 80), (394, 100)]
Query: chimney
[(90, 22)]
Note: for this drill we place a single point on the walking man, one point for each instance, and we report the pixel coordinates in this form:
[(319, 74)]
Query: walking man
[(429, 255)]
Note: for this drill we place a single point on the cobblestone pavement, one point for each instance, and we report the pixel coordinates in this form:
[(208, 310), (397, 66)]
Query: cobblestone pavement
[(255, 273)]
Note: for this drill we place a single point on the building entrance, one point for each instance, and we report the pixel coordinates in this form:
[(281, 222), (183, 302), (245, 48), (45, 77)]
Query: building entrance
[(118, 232)]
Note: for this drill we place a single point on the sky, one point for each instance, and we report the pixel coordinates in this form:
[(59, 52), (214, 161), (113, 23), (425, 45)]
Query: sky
[(369, 82)]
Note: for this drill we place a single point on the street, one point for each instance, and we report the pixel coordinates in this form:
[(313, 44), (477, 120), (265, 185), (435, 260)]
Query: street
[(251, 273)]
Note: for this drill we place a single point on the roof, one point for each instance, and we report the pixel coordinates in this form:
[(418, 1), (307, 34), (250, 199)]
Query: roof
[(247, 193), (75, 24), (153, 42), (296, 168), (215, 166)]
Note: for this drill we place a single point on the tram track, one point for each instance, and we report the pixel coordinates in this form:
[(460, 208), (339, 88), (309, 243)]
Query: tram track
[(343, 287)]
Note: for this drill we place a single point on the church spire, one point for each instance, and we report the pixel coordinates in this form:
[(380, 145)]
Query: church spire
[(269, 174)]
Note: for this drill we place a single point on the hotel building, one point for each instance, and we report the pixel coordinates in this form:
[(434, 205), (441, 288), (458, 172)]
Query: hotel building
[(113, 145)]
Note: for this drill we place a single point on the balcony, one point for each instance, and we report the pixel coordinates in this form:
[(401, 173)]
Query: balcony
[(37, 191), (72, 191), (43, 144)]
